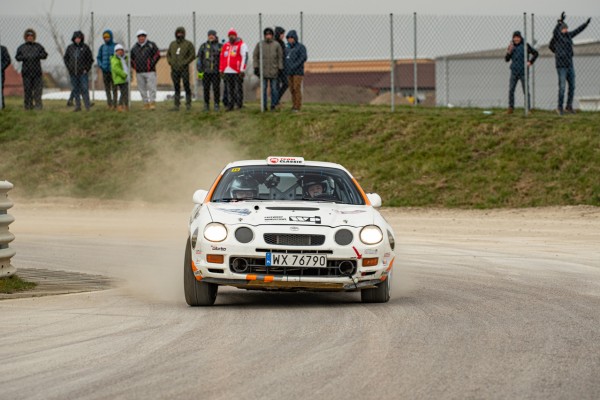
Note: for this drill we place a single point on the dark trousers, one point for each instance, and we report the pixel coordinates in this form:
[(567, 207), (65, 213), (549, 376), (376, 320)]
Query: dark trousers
[(566, 75), (515, 77), (272, 83), (235, 90), (178, 75), (3, 105), (32, 88), (214, 81), (110, 88), (124, 99), (282, 83), (80, 86)]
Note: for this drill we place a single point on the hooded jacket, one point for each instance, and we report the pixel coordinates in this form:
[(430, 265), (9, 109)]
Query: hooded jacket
[(563, 44), (105, 52), (517, 57), (118, 71), (272, 58), (234, 57), (31, 54), (144, 57), (181, 51), (78, 57), (278, 31), (295, 56), (208, 57)]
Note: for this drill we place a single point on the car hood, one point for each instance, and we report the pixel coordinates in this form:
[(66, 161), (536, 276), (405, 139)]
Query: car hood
[(291, 213)]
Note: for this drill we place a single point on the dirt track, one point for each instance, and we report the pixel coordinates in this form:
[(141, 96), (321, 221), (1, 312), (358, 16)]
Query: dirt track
[(486, 304)]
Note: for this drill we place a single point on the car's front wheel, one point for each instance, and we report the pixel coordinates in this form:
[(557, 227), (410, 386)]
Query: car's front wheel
[(197, 293), (380, 294)]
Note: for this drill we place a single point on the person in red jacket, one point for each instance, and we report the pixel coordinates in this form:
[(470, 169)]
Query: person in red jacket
[(232, 66)]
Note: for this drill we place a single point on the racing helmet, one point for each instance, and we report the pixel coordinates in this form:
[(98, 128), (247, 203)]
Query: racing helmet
[(311, 180), (243, 184)]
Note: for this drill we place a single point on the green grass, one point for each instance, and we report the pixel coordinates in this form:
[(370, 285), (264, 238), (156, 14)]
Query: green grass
[(413, 157), (14, 284)]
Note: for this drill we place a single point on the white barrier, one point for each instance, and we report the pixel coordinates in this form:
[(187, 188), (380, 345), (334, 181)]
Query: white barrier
[(6, 253)]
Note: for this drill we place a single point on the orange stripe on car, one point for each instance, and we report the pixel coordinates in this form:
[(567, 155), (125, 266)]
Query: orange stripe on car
[(385, 275), (362, 192), (269, 278), (212, 189), (250, 277)]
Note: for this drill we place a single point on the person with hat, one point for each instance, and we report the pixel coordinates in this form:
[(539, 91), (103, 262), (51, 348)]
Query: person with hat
[(5, 63), (119, 69), (179, 56), (295, 57), (272, 64), (105, 53), (30, 54), (282, 81), (562, 46), (78, 59), (144, 56), (208, 69), (232, 66), (516, 54)]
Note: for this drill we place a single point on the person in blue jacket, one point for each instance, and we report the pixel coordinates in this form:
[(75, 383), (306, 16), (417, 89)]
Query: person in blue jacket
[(562, 46), (516, 54), (295, 57), (105, 52)]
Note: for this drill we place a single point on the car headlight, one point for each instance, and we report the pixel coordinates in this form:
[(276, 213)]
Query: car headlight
[(215, 232), (371, 234)]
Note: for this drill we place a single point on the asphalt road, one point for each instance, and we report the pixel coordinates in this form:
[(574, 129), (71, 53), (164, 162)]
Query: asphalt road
[(499, 304)]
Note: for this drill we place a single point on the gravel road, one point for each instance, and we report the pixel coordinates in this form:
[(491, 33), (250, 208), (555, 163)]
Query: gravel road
[(485, 304)]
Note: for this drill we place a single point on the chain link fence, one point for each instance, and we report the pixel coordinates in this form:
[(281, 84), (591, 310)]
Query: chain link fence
[(394, 59)]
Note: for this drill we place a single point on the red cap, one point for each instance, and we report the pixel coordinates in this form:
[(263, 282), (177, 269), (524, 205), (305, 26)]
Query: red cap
[(232, 32)]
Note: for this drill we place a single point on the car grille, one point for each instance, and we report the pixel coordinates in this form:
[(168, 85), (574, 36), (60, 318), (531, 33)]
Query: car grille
[(294, 239), (257, 266)]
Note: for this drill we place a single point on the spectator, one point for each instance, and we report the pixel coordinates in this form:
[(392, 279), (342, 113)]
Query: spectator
[(120, 75), (272, 65), (5, 63), (105, 53), (562, 45), (179, 56), (515, 54), (78, 59), (31, 55), (232, 65), (144, 56), (294, 68), (208, 69), (282, 81)]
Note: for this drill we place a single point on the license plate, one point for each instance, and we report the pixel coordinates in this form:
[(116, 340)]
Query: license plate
[(296, 260)]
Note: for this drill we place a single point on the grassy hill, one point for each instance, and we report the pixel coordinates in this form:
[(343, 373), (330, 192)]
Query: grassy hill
[(414, 157)]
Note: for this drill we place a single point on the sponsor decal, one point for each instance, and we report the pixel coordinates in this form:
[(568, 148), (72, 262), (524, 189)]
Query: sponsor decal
[(271, 218), (370, 251), (285, 160), (217, 248), (387, 255), (198, 252), (235, 169), (350, 211), (316, 220), (294, 228), (235, 211)]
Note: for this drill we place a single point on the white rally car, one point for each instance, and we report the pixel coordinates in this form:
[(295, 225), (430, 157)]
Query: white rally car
[(287, 224)]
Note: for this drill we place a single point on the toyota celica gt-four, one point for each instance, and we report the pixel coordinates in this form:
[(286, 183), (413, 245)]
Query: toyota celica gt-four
[(287, 224)]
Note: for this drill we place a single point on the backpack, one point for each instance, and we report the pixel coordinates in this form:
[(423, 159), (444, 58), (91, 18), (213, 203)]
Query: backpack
[(552, 45)]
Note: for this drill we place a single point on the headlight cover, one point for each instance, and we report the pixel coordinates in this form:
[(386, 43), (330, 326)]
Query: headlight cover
[(215, 232), (371, 234)]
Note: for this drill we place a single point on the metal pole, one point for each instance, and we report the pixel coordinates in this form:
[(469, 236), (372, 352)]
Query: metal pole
[(447, 79), (526, 92), (302, 41), (194, 71), (534, 44), (93, 69), (392, 66), (260, 58), (415, 59), (129, 60), (1, 73)]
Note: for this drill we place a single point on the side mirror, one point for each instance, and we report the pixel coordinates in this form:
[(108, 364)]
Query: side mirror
[(375, 199), (199, 196)]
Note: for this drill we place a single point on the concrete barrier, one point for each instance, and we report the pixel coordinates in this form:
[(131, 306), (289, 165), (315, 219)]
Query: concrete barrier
[(6, 253)]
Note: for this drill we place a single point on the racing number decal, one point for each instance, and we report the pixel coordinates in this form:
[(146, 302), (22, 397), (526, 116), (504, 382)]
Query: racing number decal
[(235, 170)]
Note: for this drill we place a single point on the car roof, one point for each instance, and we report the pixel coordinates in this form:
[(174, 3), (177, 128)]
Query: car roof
[(245, 163)]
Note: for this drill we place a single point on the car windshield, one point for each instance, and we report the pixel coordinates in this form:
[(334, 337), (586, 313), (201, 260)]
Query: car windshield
[(287, 183)]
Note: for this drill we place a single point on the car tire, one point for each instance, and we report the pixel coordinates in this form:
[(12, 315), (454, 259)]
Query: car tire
[(197, 293), (380, 294)]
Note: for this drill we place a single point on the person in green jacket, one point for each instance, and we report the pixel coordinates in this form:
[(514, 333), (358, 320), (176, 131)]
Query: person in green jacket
[(120, 75), (179, 56)]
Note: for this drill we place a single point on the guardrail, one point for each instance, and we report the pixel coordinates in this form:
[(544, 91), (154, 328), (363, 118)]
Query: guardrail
[(6, 253)]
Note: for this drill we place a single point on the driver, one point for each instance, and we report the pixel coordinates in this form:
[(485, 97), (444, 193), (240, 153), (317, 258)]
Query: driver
[(313, 187), (244, 188)]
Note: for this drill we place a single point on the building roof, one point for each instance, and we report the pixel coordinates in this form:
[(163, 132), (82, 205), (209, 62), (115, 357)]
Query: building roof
[(588, 48)]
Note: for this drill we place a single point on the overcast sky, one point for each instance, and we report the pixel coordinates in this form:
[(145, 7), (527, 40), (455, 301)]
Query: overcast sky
[(160, 7)]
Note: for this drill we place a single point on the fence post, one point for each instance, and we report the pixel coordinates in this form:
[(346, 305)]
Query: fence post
[(6, 253), (1, 91), (534, 44), (392, 66), (301, 41), (260, 58), (93, 71), (526, 94), (447, 80), (415, 59), (194, 70), (129, 61)]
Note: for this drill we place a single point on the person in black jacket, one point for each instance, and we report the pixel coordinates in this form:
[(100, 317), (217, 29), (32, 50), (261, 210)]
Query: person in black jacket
[(144, 56), (5, 63), (78, 59), (516, 54), (30, 54), (282, 81), (208, 69), (562, 45)]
